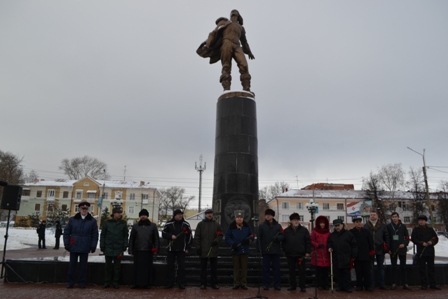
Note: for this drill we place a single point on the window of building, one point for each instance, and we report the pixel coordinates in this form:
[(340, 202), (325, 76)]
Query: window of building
[(326, 206), (91, 209), (301, 218), (86, 184), (340, 206), (299, 206), (51, 193), (434, 219), (65, 194), (64, 208), (145, 196), (285, 218), (50, 208), (130, 210), (118, 194), (341, 218), (285, 205), (407, 219), (37, 207), (90, 195), (132, 196), (105, 195), (76, 209), (78, 194), (39, 194), (26, 192)]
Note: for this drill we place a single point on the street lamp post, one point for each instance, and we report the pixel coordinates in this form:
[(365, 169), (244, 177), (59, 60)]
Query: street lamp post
[(428, 202), (312, 208)]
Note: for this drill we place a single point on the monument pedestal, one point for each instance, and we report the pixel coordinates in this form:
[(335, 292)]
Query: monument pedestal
[(235, 185)]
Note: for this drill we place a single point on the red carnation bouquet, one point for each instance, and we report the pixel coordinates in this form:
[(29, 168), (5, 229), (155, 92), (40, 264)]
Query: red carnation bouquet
[(218, 233), (270, 244), (184, 231), (248, 238)]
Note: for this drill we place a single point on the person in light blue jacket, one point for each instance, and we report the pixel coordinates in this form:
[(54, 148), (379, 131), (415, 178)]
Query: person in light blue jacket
[(239, 235)]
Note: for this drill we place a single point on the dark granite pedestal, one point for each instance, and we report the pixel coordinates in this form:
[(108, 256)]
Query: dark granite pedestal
[(235, 185)]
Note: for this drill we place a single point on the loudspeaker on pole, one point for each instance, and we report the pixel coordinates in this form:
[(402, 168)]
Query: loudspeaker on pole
[(11, 197)]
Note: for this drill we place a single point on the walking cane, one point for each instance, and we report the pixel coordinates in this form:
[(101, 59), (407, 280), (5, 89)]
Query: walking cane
[(331, 274)]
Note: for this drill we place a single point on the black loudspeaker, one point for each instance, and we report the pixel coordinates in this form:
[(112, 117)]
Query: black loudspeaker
[(11, 197)]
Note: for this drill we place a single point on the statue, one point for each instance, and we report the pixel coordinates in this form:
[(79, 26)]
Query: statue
[(223, 44)]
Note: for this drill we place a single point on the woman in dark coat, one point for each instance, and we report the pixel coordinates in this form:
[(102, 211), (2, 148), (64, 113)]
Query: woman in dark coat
[(320, 257), (342, 244), (143, 244), (57, 234)]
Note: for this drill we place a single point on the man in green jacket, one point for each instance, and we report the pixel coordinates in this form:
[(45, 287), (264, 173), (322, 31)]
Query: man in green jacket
[(207, 236), (113, 242)]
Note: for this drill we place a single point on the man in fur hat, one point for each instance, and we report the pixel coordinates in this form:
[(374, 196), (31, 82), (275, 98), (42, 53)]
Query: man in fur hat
[(297, 246), (270, 234)]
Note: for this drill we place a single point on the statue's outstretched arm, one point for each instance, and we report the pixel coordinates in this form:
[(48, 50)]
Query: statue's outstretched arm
[(245, 45)]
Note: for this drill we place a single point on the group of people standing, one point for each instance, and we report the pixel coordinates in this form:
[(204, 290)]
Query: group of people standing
[(340, 250), (41, 234)]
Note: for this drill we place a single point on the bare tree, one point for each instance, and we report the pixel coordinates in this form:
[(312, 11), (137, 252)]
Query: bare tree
[(391, 177), (270, 192), (173, 198), (374, 191), (31, 177), (11, 171), (416, 186), (80, 167), (442, 210)]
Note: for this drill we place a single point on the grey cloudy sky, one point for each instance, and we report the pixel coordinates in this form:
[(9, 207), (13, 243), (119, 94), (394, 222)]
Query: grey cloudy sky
[(342, 87)]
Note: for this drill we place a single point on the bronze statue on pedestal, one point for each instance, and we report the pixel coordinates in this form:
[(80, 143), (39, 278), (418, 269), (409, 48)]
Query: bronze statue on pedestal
[(223, 44)]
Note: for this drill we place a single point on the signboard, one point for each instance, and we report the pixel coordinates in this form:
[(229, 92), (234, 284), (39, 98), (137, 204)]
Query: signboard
[(359, 208)]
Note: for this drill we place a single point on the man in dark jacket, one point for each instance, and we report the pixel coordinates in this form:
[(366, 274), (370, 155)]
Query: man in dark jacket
[(270, 234), (399, 241), (297, 246), (57, 234), (143, 244), (41, 234), (178, 232), (80, 238), (207, 236), (342, 245), (238, 236), (113, 242), (425, 238), (365, 253), (380, 238)]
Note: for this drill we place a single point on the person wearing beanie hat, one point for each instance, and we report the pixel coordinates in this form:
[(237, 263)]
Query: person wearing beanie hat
[(297, 246), (365, 253), (342, 245), (57, 234), (425, 238), (143, 212), (207, 236), (80, 238), (113, 242), (270, 234), (143, 244), (399, 241), (177, 232), (320, 257), (380, 236)]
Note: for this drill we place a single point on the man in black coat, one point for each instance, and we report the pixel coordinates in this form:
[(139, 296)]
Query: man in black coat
[(365, 252), (342, 245), (297, 246), (425, 238), (380, 238), (143, 244), (178, 232), (399, 241), (41, 234), (270, 234), (57, 234)]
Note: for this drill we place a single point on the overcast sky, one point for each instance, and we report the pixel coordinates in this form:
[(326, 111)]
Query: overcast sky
[(342, 87)]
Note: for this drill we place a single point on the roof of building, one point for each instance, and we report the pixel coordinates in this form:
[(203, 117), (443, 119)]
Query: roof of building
[(108, 183)]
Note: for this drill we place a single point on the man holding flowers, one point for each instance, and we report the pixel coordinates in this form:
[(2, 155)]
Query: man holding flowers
[(178, 232), (271, 235), (207, 236)]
